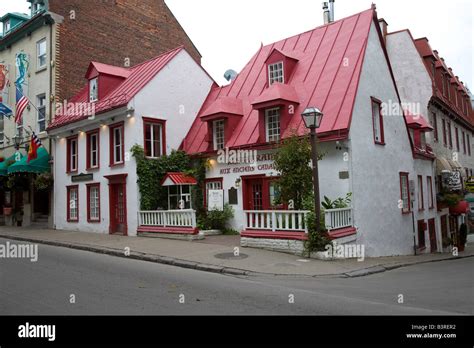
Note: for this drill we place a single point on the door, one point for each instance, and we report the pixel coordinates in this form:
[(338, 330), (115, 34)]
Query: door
[(118, 209), (254, 194), (432, 233)]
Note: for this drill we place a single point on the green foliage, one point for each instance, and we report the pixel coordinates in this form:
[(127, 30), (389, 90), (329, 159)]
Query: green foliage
[(43, 182), (451, 199), (215, 219), (292, 160), (150, 173), (17, 182), (338, 203), (316, 240)]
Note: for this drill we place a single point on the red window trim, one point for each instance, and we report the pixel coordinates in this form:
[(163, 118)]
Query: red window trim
[(382, 135), (159, 121), (429, 185), (420, 188), (68, 154), (456, 132), (450, 137), (112, 128), (89, 186), (435, 127), (88, 149), (206, 181), (445, 139), (405, 174), (468, 144), (464, 142), (68, 203)]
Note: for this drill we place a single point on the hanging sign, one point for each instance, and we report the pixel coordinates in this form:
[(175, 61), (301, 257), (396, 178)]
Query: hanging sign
[(215, 200)]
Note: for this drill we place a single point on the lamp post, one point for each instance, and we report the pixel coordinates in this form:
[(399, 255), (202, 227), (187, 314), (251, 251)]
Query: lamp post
[(17, 140), (312, 118)]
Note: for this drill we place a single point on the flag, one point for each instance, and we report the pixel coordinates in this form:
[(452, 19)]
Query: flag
[(5, 110), (34, 145), (21, 104)]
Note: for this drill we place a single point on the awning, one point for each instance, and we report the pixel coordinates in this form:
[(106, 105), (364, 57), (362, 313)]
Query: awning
[(417, 121), (8, 162), (442, 164), (38, 165), (173, 179), (461, 208)]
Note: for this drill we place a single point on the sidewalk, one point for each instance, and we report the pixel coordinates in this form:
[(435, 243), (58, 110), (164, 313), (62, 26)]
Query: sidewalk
[(201, 255)]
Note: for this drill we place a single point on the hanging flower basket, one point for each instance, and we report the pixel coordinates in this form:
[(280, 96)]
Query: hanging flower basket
[(44, 182)]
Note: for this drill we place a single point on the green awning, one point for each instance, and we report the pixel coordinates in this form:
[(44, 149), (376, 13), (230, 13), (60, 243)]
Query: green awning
[(38, 165), (8, 162)]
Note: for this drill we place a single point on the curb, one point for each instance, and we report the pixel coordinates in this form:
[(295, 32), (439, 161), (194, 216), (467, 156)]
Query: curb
[(166, 260)]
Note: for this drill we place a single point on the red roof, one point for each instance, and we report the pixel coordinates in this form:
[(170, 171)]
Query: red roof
[(320, 78), (224, 105), (277, 91), (109, 69), (417, 121), (177, 178), (138, 76)]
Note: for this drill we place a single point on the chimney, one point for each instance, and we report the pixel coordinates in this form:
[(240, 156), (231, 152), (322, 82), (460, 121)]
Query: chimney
[(328, 11), (383, 28)]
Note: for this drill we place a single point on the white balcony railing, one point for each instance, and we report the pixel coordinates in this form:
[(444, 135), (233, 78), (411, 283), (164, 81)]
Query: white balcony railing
[(338, 218), (276, 220), (168, 218)]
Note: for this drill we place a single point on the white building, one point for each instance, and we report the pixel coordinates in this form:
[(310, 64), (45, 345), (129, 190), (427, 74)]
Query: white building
[(95, 174)]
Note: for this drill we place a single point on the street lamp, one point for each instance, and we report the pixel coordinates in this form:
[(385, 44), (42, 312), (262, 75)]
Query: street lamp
[(312, 118), (17, 140)]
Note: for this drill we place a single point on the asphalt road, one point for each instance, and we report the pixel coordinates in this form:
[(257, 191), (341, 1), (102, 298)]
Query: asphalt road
[(102, 284)]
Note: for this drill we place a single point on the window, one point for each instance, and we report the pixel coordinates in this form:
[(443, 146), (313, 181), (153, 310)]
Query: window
[(457, 138), (93, 203), (218, 132), (36, 8), (464, 142), (448, 86), (93, 149), (41, 54), (116, 144), (421, 203), (178, 195), (468, 145), (2, 135), (93, 90), (450, 138), (41, 113), (6, 27), (212, 184), (377, 122), (445, 141), (274, 194), (429, 187), (73, 203), (405, 193), (272, 122), (72, 155), (443, 78), (433, 69), (275, 73), (154, 137), (435, 127)]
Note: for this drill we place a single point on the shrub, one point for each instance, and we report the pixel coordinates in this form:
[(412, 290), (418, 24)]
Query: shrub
[(216, 219)]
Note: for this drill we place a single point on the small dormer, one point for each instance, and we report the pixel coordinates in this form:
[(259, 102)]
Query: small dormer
[(37, 6), (418, 127), (103, 79), (11, 21), (279, 66)]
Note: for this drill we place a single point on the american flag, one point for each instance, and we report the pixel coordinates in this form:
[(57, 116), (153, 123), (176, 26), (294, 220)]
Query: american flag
[(21, 104)]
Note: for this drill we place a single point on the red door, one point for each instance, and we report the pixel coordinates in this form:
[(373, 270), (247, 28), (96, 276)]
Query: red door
[(254, 194), (118, 209), (432, 232)]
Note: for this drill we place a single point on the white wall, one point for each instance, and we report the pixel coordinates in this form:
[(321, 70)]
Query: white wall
[(382, 228)]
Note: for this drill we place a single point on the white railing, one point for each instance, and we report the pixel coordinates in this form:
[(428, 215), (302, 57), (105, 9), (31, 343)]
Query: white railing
[(338, 218), (276, 220), (168, 218)]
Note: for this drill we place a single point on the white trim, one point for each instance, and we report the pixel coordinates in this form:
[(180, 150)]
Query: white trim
[(278, 74), (267, 128), (218, 125)]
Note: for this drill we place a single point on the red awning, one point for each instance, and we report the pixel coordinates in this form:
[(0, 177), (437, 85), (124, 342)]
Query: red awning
[(173, 179), (461, 208)]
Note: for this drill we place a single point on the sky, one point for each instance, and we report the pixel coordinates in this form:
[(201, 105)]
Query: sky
[(228, 33)]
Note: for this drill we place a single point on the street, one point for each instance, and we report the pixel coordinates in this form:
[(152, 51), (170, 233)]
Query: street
[(71, 282)]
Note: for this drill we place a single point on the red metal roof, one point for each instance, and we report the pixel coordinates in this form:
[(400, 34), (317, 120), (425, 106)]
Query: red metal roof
[(179, 179), (224, 105), (108, 69), (137, 78), (417, 121), (277, 91), (320, 78)]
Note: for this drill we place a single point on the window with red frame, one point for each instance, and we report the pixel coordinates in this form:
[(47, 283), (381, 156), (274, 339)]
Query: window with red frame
[(456, 134), (450, 138), (435, 127), (154, 137), (377, 121), (468, 140), (93, 203), (93, 149), (421, 202), (117, 151), (72, 155), (445, 141), (464, 142), (429, 187), (404, 193), (72, 203)]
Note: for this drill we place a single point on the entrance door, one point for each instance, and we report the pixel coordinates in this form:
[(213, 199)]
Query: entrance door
[(118, 209), (255, 194), (432, 233)]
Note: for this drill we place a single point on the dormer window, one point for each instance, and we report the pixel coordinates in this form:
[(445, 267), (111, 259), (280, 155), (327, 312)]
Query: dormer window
[(6, 27), (93, 90), (36, 8), (275, 73), (272, 124), (218, 131)]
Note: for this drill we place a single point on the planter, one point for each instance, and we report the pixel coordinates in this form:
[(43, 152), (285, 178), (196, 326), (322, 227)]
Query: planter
[(7, 211)]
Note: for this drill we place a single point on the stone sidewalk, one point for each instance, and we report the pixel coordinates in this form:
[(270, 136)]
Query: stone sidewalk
[(216, 254)]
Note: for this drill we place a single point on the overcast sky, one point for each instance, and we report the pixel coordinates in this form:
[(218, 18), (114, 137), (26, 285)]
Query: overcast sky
[(229, 32)]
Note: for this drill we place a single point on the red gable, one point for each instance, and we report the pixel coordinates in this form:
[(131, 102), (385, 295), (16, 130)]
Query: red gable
[(131, 81), (327, 66)]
